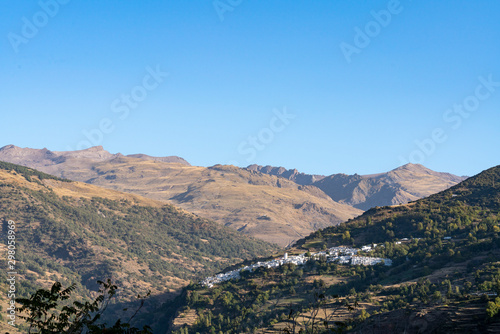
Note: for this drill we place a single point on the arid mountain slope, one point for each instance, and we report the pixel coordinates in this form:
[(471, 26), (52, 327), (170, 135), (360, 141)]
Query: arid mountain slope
[(267, 207), (80, 233), (401, 185)]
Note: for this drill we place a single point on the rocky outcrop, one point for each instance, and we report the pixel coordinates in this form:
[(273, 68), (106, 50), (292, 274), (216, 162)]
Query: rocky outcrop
[(289, 174)]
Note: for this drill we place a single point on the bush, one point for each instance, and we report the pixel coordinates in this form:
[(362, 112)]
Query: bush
[(47, 316)]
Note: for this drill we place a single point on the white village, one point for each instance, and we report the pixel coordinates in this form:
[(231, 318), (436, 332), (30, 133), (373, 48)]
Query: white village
[(341, 255)]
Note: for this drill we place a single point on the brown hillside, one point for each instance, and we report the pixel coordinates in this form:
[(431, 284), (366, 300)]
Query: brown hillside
[(58, 208)]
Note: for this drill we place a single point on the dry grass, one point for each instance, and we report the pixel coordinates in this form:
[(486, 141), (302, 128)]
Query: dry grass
[(131, 267), (226, 194), (185, 318)]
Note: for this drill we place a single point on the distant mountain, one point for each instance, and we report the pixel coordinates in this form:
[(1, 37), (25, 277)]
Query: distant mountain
[(401, 185), (267, 207), (444, 274), (39, 158), (290, 174)]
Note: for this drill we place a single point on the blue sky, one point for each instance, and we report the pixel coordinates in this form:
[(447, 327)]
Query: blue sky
[(321, 86)]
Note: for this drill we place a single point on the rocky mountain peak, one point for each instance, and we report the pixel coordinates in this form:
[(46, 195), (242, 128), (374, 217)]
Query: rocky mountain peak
[(290, 174), (97, 153), (8, 147)]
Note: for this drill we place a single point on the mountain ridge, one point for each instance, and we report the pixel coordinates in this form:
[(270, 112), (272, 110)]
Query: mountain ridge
[(97, 153), (267, 207), (400, 185), (290, 174)]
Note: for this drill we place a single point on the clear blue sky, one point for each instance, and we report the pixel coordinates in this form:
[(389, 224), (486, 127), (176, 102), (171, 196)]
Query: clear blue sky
[(360, 101)]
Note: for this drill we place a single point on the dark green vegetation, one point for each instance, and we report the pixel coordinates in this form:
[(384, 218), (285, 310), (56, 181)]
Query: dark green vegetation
[(454, 226), (274, 299), (78, 241), (27, 172), (47, 312), (445, 274)]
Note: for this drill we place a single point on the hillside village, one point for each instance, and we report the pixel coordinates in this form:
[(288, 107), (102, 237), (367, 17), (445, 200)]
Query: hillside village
[(340, 254)]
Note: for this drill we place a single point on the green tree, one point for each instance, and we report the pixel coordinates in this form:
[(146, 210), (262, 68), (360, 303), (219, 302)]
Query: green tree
[(46, 315), (492, 308)]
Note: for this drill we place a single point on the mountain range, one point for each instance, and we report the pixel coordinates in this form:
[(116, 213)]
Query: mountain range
[(270, 203)]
